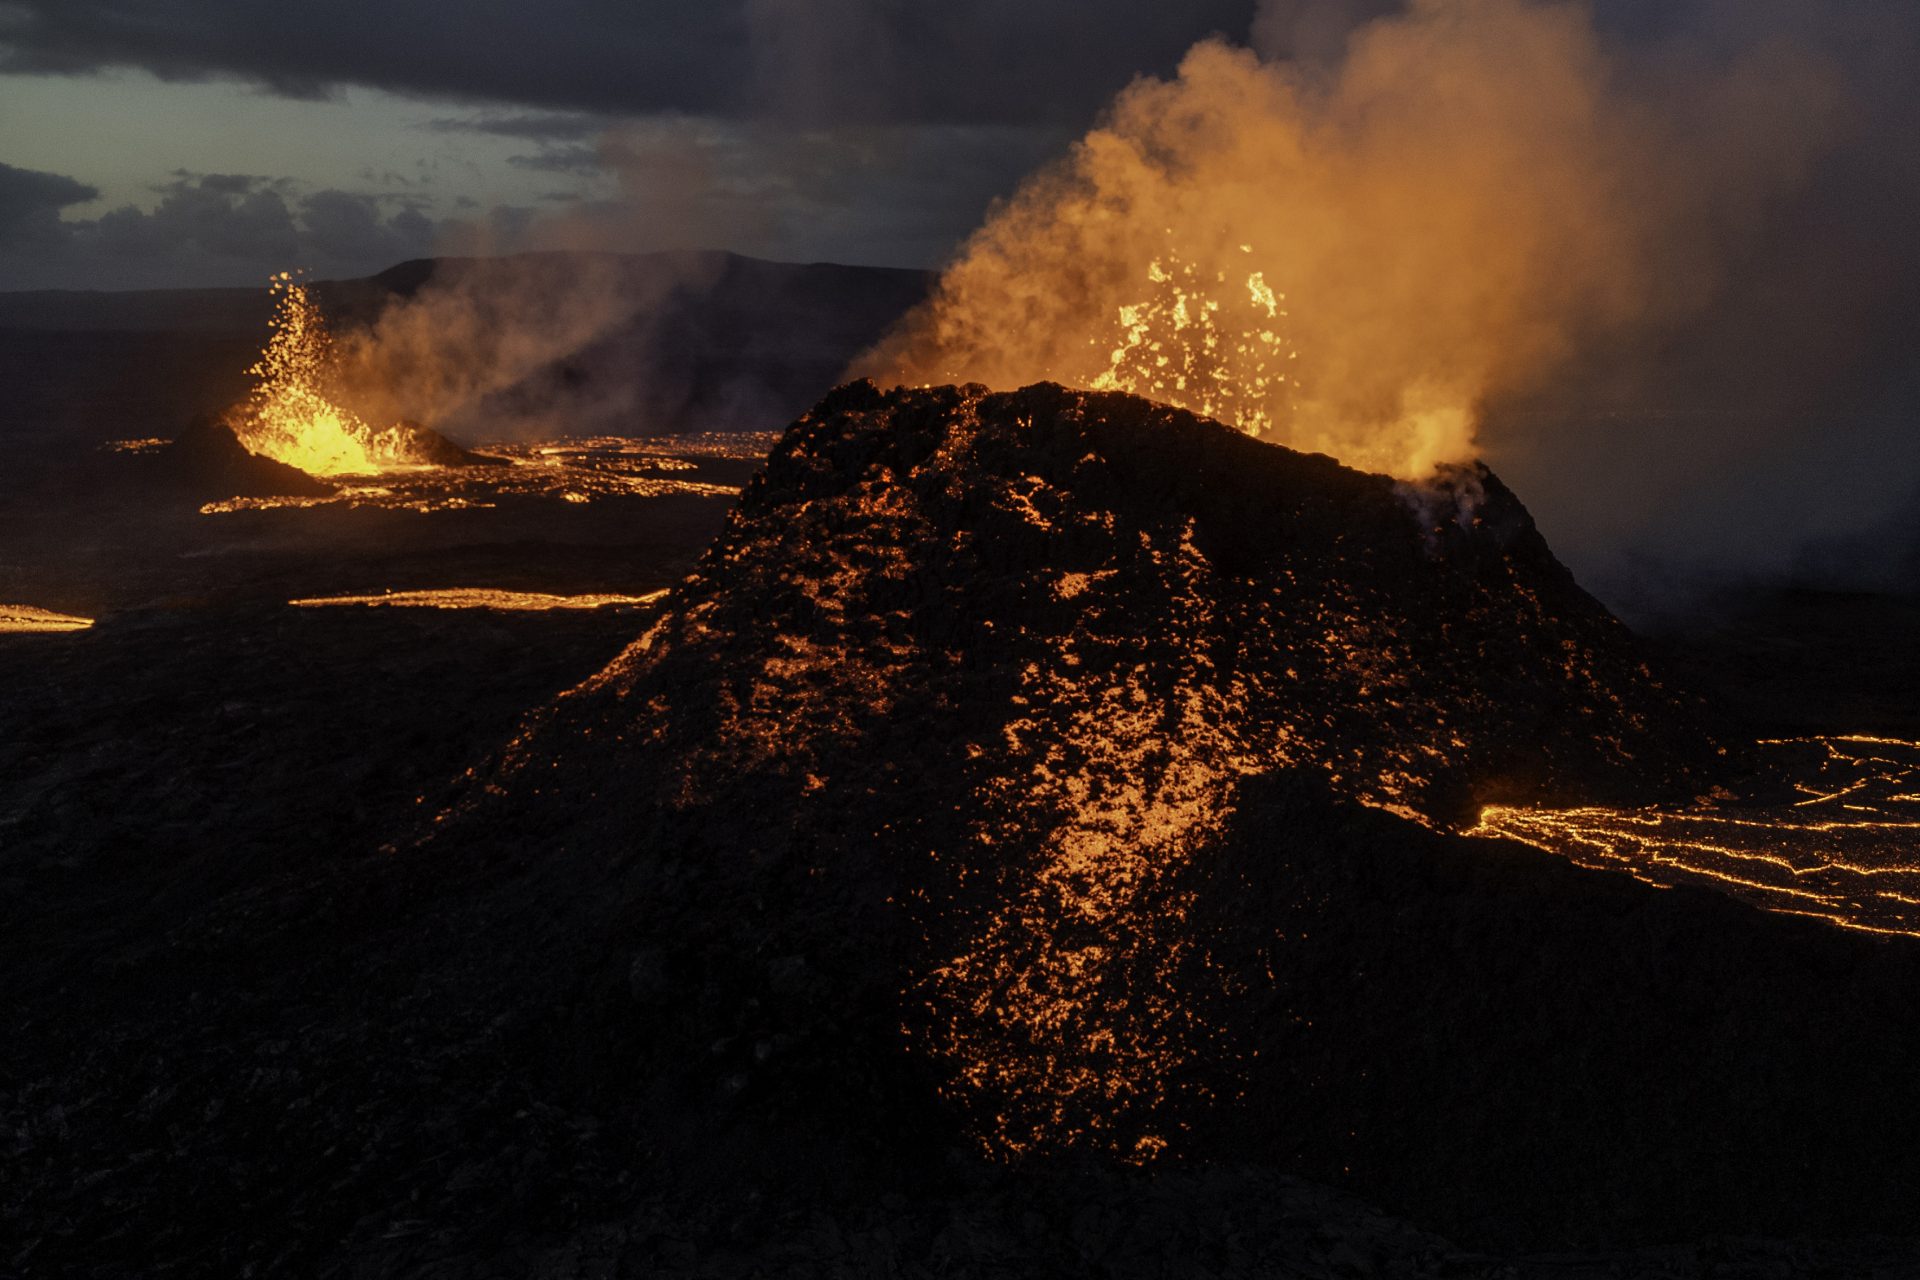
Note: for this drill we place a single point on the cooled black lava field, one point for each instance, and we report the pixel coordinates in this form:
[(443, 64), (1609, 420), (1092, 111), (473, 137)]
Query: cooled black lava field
[(1025, 839)]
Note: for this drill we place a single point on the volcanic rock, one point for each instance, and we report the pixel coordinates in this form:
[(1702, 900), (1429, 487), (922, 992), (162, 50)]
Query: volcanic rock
[(208, 462), (1058, 567), (1025, 787), (1097, 764), (424, 444)]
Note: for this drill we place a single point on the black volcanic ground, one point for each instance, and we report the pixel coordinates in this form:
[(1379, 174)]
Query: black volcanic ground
[(1076, 754), (1039, 771)]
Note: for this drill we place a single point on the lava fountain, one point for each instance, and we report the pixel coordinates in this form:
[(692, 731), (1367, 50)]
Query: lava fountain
[(1464, 208), (290, 418)]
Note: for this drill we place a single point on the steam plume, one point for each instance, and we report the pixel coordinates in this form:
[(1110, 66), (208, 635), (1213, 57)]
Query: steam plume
[(481, 327), (1479, 188)]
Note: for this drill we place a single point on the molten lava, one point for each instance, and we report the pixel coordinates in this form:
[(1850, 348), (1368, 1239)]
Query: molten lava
[(575, 472), (289, 416), (479, 598), (26, 618), (1844, 852), (1212, 346)]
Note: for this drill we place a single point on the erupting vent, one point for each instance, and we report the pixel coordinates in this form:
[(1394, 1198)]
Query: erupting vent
[(290, 418)]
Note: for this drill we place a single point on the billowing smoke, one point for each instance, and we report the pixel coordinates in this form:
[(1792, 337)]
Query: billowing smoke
[(463, 353), (1356, 257)]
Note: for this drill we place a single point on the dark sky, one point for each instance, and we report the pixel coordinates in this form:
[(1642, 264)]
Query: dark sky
[(162, 142), (171, 142)]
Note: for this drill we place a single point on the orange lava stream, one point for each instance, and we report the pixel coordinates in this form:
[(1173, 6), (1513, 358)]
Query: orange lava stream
[(478, 598), (25, 619), (576, 472), (1070, 1014), (1847, 853)]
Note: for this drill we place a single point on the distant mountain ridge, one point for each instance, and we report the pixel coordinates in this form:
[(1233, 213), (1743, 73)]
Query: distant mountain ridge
[(240, 308)]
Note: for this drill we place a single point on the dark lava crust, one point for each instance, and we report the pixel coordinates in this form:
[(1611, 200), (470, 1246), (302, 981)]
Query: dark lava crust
[(1091, 761), (977, 558), (1021, 846)]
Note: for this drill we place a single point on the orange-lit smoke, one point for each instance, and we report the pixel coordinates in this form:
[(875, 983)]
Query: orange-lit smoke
[(478, 328), (474, 330), (1354, 263)]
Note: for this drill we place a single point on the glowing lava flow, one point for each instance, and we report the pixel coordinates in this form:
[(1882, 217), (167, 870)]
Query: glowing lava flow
[(1848, 852), (22, 619), (289, 418), (478, 598), (575, 472), (1206, 346)]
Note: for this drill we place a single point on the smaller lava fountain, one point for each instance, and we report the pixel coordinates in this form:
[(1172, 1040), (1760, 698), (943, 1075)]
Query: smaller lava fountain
[(290, 418)]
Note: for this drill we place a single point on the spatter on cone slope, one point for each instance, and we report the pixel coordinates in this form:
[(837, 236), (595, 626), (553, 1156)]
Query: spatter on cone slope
[(972, 682)]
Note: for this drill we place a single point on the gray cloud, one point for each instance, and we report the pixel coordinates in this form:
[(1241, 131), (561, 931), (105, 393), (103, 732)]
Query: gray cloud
[(217, 215), (344, 227), (223, 183), (30, 205), (583, 160), (535, 126), (1003, 61), (208, 228), (882, 195)]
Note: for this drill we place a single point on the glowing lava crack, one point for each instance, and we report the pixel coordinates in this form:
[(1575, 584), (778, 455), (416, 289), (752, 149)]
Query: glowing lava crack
[(478, 598), (1847, 851)]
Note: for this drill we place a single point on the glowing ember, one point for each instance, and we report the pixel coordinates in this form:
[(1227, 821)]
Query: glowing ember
[(1848, 852), (20, 619), (479, 598), (289, 416), (1214, 347)]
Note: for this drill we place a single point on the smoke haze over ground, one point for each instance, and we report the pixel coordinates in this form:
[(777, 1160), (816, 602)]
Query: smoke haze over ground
[(479, 327)]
